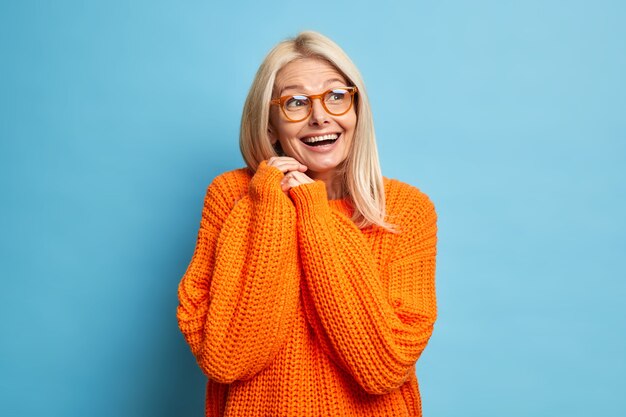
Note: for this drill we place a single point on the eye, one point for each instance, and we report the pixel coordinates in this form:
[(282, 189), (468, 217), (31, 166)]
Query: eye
[(336, 95), (296, 102)]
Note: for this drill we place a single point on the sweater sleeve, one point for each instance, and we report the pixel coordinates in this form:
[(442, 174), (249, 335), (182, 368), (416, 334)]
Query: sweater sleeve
[(374, 333), (238, 297)]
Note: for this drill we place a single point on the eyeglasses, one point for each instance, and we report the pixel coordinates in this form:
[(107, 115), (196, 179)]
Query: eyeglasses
[(336, 101)]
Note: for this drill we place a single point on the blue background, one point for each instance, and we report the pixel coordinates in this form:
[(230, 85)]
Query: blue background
[(116, 115)]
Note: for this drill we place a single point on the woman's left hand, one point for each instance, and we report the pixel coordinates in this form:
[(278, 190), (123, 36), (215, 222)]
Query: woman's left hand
[(293, 179)]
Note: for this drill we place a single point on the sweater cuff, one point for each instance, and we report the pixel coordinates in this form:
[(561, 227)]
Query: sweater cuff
[(265, 183), (310, 198)]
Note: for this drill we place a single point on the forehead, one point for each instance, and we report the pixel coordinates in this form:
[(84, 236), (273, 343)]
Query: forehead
[(307, 75)]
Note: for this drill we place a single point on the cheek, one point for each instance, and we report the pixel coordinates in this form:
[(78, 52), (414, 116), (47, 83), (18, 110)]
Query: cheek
[(350, 128), (350, 124), (350, 121), (288, 140), (289, 132)]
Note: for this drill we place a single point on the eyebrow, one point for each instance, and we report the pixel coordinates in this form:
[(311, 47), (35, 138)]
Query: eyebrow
[(300, 87)]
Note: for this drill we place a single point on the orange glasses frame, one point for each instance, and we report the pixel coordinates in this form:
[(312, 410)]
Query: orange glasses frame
[(281, 102)]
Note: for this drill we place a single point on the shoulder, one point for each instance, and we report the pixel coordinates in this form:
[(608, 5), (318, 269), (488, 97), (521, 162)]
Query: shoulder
[(225, 191), (406, 204), (231, 184)]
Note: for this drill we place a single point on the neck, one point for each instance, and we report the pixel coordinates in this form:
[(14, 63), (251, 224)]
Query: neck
[(334, 184)]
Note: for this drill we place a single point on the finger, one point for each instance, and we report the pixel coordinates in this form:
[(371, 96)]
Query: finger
[(300, 177), (280, 160), (293, 179), (287, 166), (286, 183), (275, 159)]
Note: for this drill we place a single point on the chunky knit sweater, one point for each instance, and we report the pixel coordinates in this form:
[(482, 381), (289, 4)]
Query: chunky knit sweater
[(291, 310)]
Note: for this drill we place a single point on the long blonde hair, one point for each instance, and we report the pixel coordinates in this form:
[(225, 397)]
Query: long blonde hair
[(362, 176)]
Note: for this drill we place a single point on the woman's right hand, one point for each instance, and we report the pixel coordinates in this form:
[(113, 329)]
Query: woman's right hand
[(286, 164), (293, 170)]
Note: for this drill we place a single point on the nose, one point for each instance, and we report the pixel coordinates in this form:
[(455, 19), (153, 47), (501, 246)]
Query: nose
[(318, 113)]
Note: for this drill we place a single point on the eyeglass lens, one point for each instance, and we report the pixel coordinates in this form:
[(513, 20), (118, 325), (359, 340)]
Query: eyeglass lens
[(335, 101)]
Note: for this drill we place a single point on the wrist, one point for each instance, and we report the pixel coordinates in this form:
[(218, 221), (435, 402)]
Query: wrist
[(310, 197), (265, 182)]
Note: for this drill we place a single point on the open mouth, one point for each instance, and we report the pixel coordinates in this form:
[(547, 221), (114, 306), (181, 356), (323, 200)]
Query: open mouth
[(321, 140)]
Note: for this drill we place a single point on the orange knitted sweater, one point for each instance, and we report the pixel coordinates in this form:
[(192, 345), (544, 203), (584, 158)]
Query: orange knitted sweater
[(291, 310)]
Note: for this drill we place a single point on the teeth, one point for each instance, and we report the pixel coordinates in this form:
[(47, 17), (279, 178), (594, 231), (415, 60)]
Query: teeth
[(314, 139)]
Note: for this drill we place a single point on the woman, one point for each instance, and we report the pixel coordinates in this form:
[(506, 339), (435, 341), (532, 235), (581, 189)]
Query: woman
[(311, 289)]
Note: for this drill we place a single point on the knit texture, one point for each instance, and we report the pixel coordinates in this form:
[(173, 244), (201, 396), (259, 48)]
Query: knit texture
[(291, 310)]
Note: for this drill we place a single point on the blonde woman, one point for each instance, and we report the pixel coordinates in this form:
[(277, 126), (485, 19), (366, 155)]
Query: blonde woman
[(311, 290)]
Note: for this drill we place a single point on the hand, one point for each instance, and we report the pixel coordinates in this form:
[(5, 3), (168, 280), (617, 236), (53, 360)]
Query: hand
[(293, 170), (286, 164), (293, 179)]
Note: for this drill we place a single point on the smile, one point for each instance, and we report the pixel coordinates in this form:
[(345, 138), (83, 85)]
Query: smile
[(321, 140)]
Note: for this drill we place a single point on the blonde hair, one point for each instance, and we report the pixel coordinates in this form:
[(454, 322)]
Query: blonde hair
[(361, 175)]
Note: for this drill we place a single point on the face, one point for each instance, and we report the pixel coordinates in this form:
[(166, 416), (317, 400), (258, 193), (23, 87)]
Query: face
[(321, 141)]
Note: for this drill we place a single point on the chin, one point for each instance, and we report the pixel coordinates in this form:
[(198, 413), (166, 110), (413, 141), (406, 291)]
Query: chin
[(324, 167)]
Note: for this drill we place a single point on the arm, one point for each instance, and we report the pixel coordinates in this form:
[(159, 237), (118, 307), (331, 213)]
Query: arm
[(238, 296), (374, 338)]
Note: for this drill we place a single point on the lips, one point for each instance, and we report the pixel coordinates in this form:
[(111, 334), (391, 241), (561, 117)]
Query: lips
[(320, 140)]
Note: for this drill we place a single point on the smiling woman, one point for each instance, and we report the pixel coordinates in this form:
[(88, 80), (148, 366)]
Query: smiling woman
[(311, 291)]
